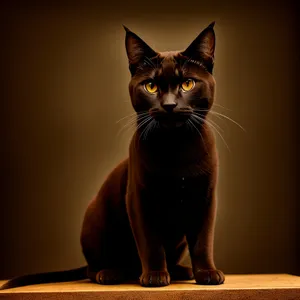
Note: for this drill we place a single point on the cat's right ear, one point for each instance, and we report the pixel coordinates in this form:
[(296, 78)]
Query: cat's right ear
[(137, 50), (203, 47)]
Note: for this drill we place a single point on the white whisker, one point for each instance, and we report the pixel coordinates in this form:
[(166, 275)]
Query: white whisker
[(132, 116), (219, 115), (217, 125), (191, 122), (147, 129), (132, 122), (217, 104), (142, 124), (209, 124), (228, 118)]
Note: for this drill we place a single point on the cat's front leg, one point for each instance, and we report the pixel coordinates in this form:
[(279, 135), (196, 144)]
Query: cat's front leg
[(200, 238), (146, 231)]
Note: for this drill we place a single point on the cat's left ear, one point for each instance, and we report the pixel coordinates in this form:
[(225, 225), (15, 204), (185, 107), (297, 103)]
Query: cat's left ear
[(137, 50), (203, 47)]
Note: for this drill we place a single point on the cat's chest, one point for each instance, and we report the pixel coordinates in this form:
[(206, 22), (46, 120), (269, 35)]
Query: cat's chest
[(176, 160), (171, 201), (168, 191)]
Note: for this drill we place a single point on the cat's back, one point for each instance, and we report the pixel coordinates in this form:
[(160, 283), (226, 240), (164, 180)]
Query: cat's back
[(112, 192)]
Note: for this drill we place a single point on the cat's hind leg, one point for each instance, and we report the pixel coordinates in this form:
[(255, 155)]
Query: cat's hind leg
[(106, 237), (108, 245), (110, 262)]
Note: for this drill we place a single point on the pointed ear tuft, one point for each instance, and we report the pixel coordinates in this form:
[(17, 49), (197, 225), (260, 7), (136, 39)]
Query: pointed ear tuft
[(203, 47)]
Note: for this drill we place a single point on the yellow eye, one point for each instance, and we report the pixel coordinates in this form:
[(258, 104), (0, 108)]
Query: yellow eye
[(151, 87), (188, 85)]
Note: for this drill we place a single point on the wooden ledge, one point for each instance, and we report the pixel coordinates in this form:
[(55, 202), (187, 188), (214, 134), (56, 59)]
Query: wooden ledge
[(267, 287)]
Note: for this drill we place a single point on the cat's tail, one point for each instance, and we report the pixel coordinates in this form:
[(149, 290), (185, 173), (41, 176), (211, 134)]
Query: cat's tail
[(59, 276)]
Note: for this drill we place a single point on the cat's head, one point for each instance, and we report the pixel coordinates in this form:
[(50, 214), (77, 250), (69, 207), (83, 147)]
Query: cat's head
[(174, 87)]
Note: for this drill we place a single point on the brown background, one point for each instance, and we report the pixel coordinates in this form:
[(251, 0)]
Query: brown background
[(65, 85)]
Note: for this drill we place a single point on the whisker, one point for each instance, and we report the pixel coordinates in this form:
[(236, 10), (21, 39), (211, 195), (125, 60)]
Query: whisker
[(142, 124), (141, 134), (132, 115), (219, 115), (147, 129), (144, 132), (135, 120), (131, 123), (191, 122), (188, 124), (152, 127), (228, 118), (206, 110), (217, 125), (205, 121), (194, 127), (216, 104)]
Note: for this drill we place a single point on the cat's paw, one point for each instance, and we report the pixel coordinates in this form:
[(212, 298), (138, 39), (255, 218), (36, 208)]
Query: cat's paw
[(155, 279), (109, 276), (209, 277)]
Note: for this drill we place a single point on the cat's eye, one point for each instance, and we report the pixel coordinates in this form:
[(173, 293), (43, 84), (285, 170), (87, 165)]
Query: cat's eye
[(188, 85), (151, 87)]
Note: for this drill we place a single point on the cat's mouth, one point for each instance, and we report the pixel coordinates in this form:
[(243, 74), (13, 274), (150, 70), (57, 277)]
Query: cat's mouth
[(173, 119)]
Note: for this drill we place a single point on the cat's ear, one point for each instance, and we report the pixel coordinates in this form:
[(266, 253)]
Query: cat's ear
[(203, 47), (137, 50)]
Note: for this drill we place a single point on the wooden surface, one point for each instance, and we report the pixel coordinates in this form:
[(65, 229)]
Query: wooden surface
[(246, 287)]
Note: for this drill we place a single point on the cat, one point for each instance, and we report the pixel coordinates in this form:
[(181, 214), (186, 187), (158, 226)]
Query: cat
[(153, 219)]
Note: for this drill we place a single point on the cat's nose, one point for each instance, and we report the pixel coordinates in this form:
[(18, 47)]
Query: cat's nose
[(168, 107), (169, 102)]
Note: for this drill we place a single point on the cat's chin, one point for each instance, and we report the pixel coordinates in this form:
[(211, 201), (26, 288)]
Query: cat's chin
[(172, 124), (172, 120)]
